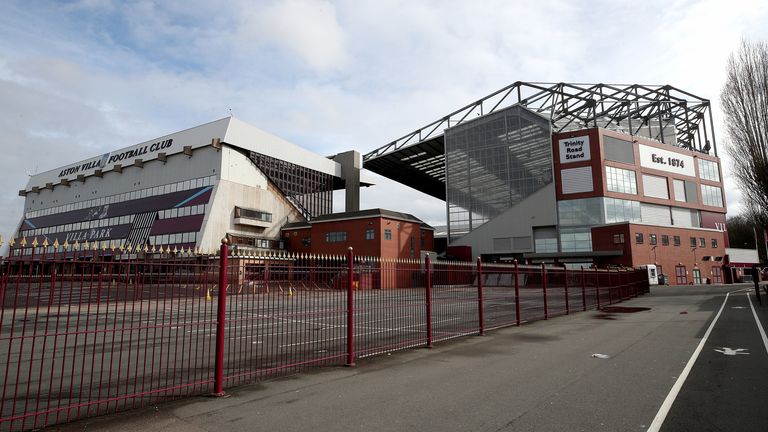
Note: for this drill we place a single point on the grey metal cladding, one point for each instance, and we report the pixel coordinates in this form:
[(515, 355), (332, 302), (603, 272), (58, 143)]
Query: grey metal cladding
[(618, 150)]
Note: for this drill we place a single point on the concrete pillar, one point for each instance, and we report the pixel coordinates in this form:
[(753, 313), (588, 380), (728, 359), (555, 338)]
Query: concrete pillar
[(351, 163)]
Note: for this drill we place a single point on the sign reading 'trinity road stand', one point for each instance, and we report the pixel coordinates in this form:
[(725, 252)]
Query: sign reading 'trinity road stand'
[(574, 149)]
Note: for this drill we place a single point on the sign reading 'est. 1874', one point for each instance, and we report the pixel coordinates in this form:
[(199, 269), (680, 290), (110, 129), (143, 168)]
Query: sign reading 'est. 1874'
[(574, 149)]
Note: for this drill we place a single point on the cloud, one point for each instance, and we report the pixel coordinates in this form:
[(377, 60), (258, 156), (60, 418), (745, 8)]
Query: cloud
[(308, 29), (82, 78)]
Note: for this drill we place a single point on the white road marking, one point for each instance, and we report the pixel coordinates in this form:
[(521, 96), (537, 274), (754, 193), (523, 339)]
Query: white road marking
[(670, 399), (759, 325), (732, 352)]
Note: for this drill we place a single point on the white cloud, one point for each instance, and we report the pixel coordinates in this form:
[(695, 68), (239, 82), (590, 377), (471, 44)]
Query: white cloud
[(87, 77), (306, 28)]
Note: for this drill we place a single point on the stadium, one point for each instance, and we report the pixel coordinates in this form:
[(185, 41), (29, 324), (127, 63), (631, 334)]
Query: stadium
[(578, 174), (187, 190)]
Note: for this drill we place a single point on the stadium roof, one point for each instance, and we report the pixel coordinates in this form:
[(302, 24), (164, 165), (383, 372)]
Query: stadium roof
[(659, 112)]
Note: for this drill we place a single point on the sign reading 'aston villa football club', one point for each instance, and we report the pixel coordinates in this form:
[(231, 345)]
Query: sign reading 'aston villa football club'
[(574, 149), (110, 159)]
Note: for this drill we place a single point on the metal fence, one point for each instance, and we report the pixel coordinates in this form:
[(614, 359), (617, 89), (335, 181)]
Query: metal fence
[(93, 331)]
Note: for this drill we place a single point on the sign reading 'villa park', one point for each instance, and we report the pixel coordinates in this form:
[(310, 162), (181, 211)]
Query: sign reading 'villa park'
[(574, 149)]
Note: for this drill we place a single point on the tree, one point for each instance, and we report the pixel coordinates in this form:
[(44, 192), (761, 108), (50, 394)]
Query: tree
[(745, 104)]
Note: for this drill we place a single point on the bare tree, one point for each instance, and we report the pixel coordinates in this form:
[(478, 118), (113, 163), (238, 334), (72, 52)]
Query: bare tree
[(745, 103)]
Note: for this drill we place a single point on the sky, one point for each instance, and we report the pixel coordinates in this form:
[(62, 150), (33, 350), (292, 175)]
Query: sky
[(81, 78)]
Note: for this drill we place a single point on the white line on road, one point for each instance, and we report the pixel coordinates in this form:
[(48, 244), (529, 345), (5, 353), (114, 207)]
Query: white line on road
[(670, 399), (759, 325)]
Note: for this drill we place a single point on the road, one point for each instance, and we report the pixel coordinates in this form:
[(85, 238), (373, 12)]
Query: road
[(542, 376)]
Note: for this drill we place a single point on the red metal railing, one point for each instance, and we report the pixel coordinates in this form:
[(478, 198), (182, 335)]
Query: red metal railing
[(86, 331)]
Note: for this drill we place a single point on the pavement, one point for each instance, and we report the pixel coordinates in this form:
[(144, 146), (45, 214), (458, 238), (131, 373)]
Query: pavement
[(542, 376)]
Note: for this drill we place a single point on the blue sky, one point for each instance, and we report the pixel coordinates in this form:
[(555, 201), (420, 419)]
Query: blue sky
[(81, 78)]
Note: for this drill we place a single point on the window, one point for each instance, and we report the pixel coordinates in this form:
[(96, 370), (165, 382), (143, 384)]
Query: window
[(369, 234), (618, 239), (664, 240), (585, 211), (651, 239), (253, 214), (639, 238), (575, 240), (708, 170), (714, 243), (335, 236), (619, 210), (711, 196), (387, 234), (676, 240), (544, 245), (702, 242), (621, 180), (693, 241)]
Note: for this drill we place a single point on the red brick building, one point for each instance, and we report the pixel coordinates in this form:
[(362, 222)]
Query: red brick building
[(374, 232)]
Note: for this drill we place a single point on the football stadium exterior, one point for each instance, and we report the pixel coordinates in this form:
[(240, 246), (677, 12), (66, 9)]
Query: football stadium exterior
[(605, 175), (189, 189)]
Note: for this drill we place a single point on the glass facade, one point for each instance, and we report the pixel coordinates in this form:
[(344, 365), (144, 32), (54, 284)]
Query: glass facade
[(127, 196), (585, 211), (575, 239), (621, 180), (708, 170), (492, 163), (711, 196), (619, 210)]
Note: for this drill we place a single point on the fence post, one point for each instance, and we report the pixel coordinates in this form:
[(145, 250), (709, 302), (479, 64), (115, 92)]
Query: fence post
[(597, 287), (565, 285), (350, 308), (583, 292), (517, 293), (428, 284), (480, 315), (544, 288), (610, 288), (218, 386), (53, 284)]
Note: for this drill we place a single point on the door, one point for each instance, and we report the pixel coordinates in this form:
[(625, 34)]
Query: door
[(696, 276), (680, 277), (717, 275)]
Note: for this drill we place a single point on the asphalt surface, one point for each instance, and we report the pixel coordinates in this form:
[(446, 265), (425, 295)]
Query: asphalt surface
[(132, 348), (542, 376)]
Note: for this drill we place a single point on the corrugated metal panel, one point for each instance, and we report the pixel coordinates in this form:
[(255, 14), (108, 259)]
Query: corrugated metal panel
[(502, 244), (742, 256), (691, 193), (686, 218), (618, 150), (679, 186), (576, 180), (540, 233), (522, 243), (655, 214), (655, 187)]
